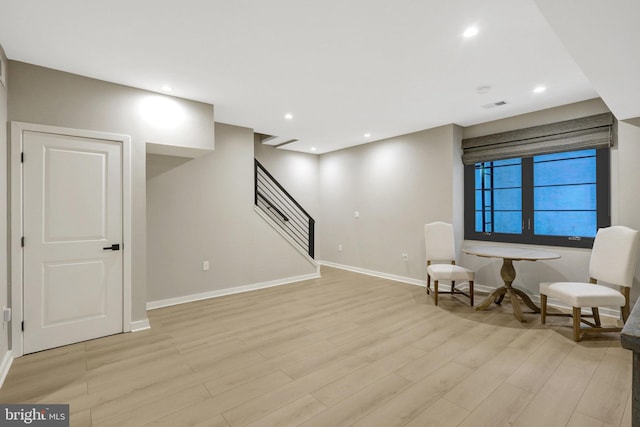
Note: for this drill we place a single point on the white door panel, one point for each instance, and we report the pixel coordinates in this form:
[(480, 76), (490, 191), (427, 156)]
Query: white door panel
[(74, 205), (74, 291), (72, 211)]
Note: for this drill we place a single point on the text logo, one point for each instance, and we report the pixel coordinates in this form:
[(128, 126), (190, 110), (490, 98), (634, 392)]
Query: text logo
[(34, 415)]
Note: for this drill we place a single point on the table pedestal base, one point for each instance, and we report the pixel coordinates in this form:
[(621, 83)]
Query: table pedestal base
[(515, 295), (508, 273)]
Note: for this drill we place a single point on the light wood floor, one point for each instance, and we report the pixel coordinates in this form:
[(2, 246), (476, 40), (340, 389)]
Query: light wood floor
[(345, 349)]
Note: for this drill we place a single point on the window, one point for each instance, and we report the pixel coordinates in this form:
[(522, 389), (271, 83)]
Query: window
[(498, 196), (546, 185), (556, 199)]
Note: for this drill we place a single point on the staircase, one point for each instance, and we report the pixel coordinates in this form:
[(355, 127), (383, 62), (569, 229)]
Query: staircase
[(283, 210)]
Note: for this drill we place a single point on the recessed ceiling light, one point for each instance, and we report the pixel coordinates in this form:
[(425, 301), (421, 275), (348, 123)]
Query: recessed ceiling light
[(483, 89), (470, 32), (288, 116), (539, 89), (367, 135), (313, 148), (166, 88)]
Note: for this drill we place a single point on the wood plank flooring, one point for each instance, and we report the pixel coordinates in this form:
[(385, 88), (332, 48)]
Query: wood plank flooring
[(342, 350)]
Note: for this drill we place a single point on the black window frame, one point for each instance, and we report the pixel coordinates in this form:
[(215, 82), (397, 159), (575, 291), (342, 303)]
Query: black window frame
[(528, 236)]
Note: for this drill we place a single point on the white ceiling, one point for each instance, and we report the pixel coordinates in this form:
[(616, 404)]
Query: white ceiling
[(343, 68)]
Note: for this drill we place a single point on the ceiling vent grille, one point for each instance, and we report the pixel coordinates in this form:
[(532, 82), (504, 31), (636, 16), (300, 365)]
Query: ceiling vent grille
[(494, 104)]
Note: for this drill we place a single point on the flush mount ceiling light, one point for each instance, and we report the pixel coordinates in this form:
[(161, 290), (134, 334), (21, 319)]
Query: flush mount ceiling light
[(166, 88), (539, 89), (470, 32), (288, 116)]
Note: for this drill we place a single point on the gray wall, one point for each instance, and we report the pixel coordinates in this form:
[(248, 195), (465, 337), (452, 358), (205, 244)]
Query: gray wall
[(204, 210), (625, 204), (4, 277), (44, 96), (397, 185), (574, 262), (626, 180)]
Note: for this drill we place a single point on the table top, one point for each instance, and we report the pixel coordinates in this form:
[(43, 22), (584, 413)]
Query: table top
[(510, 252)]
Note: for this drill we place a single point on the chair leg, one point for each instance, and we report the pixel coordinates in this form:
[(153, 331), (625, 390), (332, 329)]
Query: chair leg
[(453, 287), (428, 284), (625, 309), (596, 316), (471, 292), (624, 312), (435, 291), (576, 324), (543, 308)]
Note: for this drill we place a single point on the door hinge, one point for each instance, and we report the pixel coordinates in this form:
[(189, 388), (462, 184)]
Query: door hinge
[(22, 157), (22, 241)]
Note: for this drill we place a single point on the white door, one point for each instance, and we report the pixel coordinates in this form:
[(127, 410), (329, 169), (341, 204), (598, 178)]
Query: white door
[(72, 283)]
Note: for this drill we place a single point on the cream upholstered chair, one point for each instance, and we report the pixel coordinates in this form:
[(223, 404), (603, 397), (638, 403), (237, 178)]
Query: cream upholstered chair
[(613, 261), (440, 244)]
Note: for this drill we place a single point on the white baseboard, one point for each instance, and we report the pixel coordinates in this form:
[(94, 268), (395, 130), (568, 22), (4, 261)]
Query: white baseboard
[(373, 273), (140, 325), (604, 311), (395, 278), (152, 305), (5, 365)]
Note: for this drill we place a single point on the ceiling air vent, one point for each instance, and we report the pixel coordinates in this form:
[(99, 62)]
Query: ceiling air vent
[(494, 104)]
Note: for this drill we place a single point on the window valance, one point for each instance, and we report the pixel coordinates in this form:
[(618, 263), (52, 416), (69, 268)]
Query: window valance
[(577, 134)]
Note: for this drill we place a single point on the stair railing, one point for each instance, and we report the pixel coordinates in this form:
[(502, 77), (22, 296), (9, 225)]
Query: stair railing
[(271, 197)]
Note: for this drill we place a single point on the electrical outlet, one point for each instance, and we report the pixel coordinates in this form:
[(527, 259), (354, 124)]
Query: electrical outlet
[(205, 265), (339, 248), (356, 214), (405, 257)]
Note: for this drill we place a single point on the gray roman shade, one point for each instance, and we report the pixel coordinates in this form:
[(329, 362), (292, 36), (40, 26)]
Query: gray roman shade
[(577, 134)]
